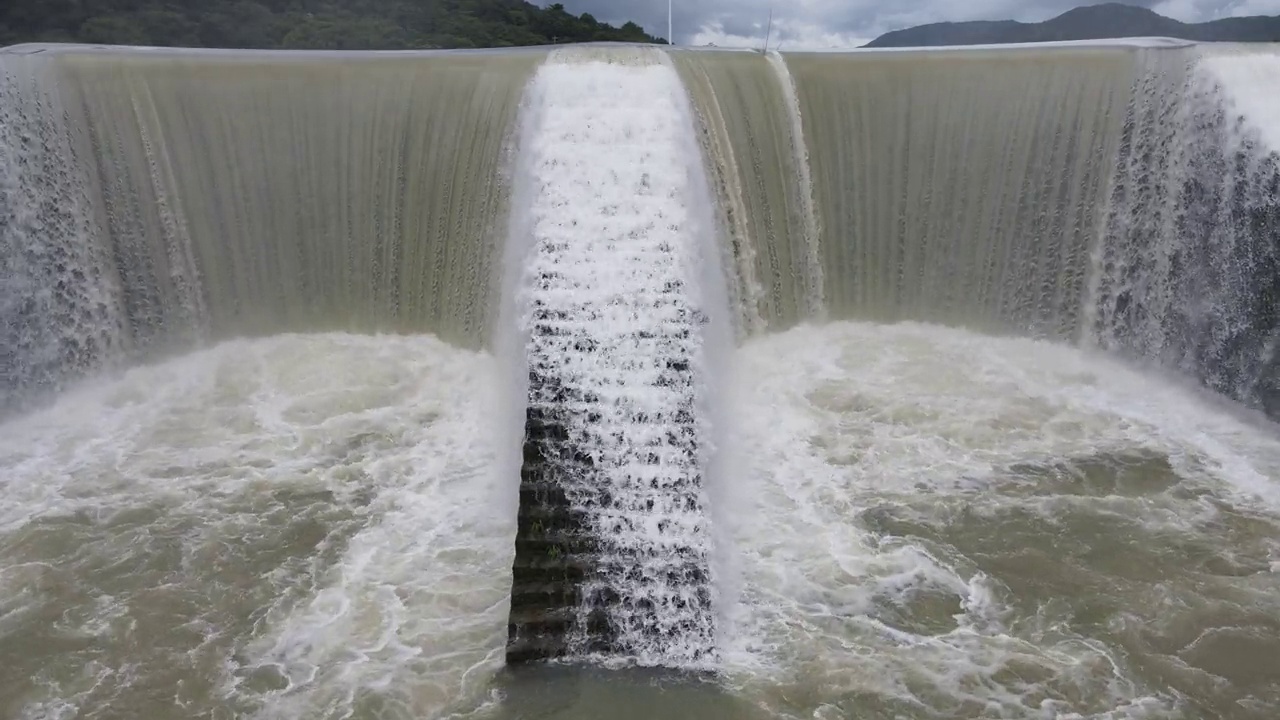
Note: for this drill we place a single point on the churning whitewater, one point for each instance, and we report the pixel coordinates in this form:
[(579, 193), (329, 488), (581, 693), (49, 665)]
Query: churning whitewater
[(615, 313), (913, 385)]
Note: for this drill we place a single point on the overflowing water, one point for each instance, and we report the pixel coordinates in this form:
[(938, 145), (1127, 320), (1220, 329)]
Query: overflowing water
[(165, 200), (614, 313), (1188, 273), (59, 313), (960, 192), (740, 314), (754, 151), (1120, 196)]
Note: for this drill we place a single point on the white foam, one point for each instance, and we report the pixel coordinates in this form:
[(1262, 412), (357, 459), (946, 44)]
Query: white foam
[(612, 310), (380, 444), (59, 314), (839, 419), (1250, 78)]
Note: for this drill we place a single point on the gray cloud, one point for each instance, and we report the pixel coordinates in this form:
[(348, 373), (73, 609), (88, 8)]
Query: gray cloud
[(827, 23)]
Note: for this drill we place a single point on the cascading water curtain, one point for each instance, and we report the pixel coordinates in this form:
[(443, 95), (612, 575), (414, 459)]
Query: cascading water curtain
[(1189, 262)]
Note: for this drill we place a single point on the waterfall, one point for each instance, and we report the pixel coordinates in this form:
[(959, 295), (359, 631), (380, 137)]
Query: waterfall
[(59, 317), (1188, 272), (616, 441), (962, 188), (1124, 197), (191, 197), (753, 147), (804, 191), (155, 201), (1117, 196)]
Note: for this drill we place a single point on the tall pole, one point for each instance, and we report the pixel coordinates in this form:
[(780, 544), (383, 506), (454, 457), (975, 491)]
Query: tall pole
[(768, 32), (671, 38)]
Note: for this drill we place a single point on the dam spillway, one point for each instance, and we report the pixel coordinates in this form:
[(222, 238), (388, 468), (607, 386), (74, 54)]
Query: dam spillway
[(597, 221), (202, 197), (1001, 190), (612, 545), (968, 190), (1102, 196)]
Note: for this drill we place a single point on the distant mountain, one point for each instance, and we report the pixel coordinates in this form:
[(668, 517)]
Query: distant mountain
[(1093, 22)]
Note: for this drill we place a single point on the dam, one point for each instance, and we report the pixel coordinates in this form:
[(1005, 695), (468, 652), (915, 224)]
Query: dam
[(601, 378)]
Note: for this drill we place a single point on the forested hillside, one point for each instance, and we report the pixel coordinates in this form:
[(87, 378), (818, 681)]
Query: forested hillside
[(313, 24), (1089, 22)]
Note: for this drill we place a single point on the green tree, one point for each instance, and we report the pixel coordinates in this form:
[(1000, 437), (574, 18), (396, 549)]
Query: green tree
[(112, 30), (331, 24)]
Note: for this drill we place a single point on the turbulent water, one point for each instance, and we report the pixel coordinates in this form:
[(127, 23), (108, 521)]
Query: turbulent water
[(1188, 273), (614, 311), (286, 527), (930, 524), (888, 385), (946, 525)]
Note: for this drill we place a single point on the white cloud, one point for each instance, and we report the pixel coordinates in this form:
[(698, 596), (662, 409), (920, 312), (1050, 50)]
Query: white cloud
[(1241, 8), (785, 35), (1184, 10), (823, 24), (1202, 10)]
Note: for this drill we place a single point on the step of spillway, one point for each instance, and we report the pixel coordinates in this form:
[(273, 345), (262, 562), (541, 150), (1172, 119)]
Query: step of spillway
[(555, 549), (612, 543), (607, 554)]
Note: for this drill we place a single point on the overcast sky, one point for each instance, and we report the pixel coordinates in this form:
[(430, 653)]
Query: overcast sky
[(821, 24)]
